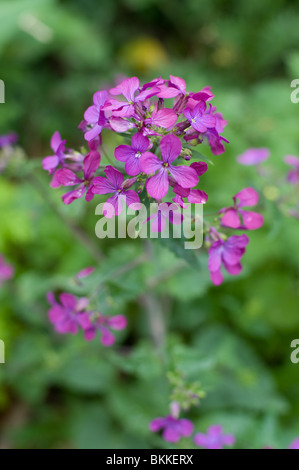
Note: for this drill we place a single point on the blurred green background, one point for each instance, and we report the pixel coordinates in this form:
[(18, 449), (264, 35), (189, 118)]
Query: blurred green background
[(234, 339)]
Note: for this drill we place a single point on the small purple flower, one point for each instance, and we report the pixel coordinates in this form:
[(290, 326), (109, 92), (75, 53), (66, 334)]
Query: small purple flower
[(294, 444), (6, 270), (94, 116), (293, 175), (131, 154), (195, 196), (58, 147), (167, 211), (214, 439), (198, 118), (104, 324), (85, 273), (251, 220), (253, 156), (8, 139), (157, 186), (114, 183), (173, 428), (68, 315), (128, 88), (66, 177), (165, 118), (227, 253)]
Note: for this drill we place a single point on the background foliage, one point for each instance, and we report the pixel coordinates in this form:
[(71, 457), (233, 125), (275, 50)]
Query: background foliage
[(234, 339)]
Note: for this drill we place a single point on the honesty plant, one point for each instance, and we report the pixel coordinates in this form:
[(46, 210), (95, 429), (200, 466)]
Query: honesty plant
[(161, 123)]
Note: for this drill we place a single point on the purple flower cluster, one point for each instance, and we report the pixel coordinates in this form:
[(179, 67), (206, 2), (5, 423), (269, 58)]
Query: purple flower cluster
[(71, 314), (6, 148), (227, 252), (173, 429), (159, 117), (6, 270)]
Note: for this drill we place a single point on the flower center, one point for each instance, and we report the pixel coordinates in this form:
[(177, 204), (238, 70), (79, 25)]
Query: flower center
[(137, 154), (165, 164)]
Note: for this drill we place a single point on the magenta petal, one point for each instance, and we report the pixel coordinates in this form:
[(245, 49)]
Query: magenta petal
[(133, 166), (118, 322), (90, 333), (127, 88), (292, 160), (186, 427), (91, 115), (184, 176), (132, 199), (150, 163), (140, 143), (71, 196), (112, 207), (171, 147), (234, 270), (114, 176), (68, 300), (93, 133), (56, 313), (215, 252), (102, 185), (157, 424), (293, 176), (107, 338), (200, 439), (253, 156), (179, 83), (165, 118), (91, 164), (158, 222), (157, 186), (252, 220), (197, 196), (228, 440), (50, 163), (55, 141), (199, 167), (216, 277), (123, 152), (85, 272), (100, 98), (67, 177), (247, 197), (171, 435), (231, 219)]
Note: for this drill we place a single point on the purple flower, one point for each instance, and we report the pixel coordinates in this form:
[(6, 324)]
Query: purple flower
[(114, 183), (128, 89), (293, 175), (157, 186), (8, 139), (104, 325), (165, 118), (227, 253), (173, 428), (253, 156), (198, 118), (176, 86), (196, 196), (131, 154), (214, 439), (167, 211), (294, 444), (68, 315), (66, 177), (6, 270), (94, 115), (85, 273), (58, 147), (251, 220)]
